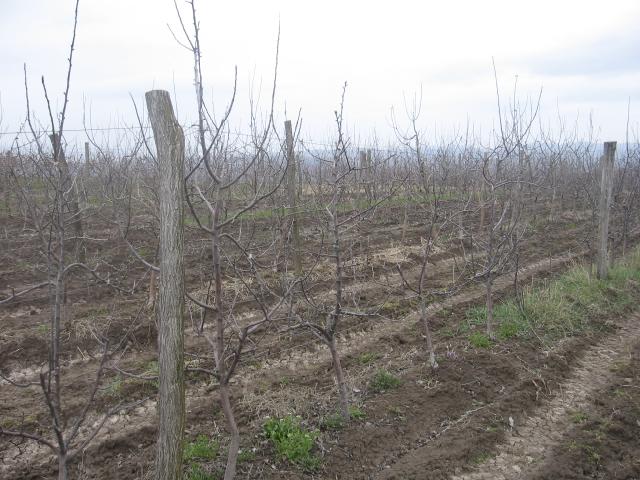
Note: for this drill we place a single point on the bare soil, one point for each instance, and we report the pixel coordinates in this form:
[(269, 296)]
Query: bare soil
[(475, 417)]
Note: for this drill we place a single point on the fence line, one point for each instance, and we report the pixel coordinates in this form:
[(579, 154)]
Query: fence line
[(137, 128)]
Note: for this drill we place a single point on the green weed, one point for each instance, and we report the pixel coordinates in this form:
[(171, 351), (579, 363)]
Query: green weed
[(292, 441), (367, 357), (246, 456), (383, 380), (196, 472), (578, 417), (479, 340), (356, 413), (480, 458), (203, 448), (565, 306)]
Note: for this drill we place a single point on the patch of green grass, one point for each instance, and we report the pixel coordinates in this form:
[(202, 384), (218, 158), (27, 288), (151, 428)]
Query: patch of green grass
[(618, 392), (97, 311), (592, 455), (333, 422), (398, 307), (366, 358), (491, 428), (152, 370), (509, 329), (479, 340), (383, 380), (43, 329), (292, 441), (356, 413), (8, 423), (284, 381), (145, 252), (565, 306), (23, 264), (507, 315), (114, 389), (448, 332), (246, 456), (336, 421), (196, 472), (475, 316), (203, 448), (396, 411), (578, 417), (480, 458)]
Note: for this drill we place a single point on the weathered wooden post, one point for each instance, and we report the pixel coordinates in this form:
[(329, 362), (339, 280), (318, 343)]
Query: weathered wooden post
[(606, 185), (291, 192), (74, 206), (82, 176), (169, 140), (481, 202)]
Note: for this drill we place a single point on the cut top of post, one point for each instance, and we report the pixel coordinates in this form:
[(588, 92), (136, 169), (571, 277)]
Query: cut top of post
[(610, 148)]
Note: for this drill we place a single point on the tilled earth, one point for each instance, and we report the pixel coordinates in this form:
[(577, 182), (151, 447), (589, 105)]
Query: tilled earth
[(475, 417)]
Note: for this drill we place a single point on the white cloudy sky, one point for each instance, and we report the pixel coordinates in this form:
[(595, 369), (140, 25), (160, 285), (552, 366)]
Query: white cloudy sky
[(584, 54)]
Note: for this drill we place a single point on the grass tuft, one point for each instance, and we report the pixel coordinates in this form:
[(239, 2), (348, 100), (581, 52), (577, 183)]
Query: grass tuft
[(203, 448), (292, 441), (479, 340), (383, 380), (196, 472), (367, 358), (566, 306)]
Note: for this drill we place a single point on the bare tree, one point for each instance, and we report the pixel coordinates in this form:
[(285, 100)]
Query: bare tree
[(209, 183), (50, 219), (334, 224)]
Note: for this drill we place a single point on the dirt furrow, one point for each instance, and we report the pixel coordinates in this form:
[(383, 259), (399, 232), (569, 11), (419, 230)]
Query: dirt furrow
[(526, 446), (125, 425), (361, 288), (390, 326)]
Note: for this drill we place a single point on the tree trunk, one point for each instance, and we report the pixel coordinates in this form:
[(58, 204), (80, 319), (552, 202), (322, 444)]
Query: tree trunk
[(171, 403), (234, 446), (405, 219), (337, 369), (62, 467), (427, 332), (489, 288), (482, 207), (291, 192)]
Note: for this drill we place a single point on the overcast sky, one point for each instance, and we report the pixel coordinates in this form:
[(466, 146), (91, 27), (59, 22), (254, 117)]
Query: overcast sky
[(584, 54)]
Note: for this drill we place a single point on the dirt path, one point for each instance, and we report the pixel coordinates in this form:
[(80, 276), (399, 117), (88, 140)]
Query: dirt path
[(527, 446)]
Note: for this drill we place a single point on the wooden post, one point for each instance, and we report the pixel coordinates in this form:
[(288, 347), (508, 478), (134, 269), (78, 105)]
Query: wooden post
[(371, 184), (361, 177), (73, 204), (291, 191), (606, 185), (80, 184), (300, 177), (481, 195), (7, 165), (169, 140)]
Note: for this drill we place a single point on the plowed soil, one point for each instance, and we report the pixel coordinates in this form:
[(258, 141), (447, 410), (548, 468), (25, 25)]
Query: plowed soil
[(516, 410)]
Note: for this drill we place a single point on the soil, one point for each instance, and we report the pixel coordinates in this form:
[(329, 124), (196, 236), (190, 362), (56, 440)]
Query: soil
[(570, 411)]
